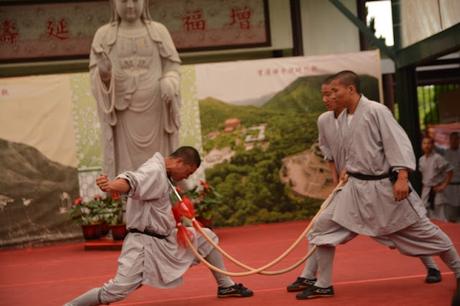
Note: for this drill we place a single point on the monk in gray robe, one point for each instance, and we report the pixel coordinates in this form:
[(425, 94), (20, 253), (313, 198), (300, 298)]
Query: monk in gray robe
[(452, 192), (134, 69), (328, 136), (436, 176), (151, 254), (375, 147)]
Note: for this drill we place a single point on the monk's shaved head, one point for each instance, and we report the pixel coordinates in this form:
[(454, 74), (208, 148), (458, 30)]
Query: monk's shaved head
[(348, 78)]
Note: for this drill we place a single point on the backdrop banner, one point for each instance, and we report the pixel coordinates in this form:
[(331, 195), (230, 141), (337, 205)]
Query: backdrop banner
[(253, 121), (259, 130), (38, 160)]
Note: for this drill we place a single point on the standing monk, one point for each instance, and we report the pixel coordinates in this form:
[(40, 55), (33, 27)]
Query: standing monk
[(328, 137), (376, 200), (436, 176), (134, 70), (452, 192)]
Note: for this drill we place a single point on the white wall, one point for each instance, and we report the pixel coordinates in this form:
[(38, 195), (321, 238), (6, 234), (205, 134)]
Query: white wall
[(326, 30), (280, 24), (423, 18)]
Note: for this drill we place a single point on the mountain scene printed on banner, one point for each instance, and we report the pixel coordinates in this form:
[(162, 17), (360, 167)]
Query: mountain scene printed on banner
[(263, 157), (35, 195)]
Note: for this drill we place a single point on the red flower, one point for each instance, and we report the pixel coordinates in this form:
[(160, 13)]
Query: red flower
[(205, 185), (78, 201), (115, 195)]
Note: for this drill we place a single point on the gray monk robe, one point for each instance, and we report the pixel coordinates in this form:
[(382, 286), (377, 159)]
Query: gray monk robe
[(135, 121), (452, 191), (373, 143), (158, 262), (330, 145), (434, 169), (329, 139)]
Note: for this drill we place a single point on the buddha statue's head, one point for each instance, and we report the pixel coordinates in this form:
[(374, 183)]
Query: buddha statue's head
[(129, 10)]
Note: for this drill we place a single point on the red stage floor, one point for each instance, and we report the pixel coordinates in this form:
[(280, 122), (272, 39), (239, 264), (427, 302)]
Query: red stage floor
[(365, 273)]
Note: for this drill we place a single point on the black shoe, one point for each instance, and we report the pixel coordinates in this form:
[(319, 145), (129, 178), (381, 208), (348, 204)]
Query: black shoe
[(456, 297), (315, 292), (237, 290), (433, 276), (300, 284)]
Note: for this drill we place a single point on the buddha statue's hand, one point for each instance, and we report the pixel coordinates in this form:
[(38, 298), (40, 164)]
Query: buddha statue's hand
[(168, 87), (104, 66)]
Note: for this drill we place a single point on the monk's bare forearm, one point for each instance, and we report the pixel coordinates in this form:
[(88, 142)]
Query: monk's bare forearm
[(120, 185), (116, 185)]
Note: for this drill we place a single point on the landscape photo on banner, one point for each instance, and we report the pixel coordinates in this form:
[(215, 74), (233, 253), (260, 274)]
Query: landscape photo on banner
[(50, 151), (259, 133), (38, 160)]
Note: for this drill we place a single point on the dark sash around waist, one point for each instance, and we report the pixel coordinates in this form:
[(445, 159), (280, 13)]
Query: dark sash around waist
[(454, 183), (431, 198), (367, 177), (147, 232)]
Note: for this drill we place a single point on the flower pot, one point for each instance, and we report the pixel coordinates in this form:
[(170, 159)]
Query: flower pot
[(91, 231), (105, 228), (118, 231)]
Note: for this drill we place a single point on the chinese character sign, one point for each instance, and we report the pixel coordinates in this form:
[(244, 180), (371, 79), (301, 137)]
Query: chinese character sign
[(241, 17), (209, 24), (49, 30), (56, 30), (8, 33), (193, 21)]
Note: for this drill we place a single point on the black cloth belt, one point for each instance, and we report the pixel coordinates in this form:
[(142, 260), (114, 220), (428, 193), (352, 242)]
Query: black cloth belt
[(454, 183), (147, 232), (366, 177), (431, 197)]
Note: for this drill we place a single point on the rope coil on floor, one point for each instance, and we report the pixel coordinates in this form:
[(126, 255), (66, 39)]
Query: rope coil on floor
[(263, 269)]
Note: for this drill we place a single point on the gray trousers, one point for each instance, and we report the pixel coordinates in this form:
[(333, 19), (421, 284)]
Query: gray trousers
[(123, 284), (422, 238)]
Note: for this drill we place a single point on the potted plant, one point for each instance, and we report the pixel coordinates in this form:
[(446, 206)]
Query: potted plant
[(113, 216), (204, 198), (88, 215)]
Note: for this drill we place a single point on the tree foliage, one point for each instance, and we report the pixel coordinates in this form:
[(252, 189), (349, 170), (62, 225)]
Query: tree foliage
[(250, 182)]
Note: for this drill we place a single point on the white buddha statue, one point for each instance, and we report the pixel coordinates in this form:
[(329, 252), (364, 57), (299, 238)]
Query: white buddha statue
[(134, 68)]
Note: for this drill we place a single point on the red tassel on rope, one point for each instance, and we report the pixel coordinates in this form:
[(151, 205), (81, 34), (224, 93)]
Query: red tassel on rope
[(183, 209), (187, 208), (182, 233)]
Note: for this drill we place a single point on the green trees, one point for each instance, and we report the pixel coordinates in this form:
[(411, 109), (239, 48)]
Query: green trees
[(250, 183)]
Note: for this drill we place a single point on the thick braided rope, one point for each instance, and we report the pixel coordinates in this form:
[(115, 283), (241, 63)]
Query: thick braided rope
[(260, 270), (247, 273)]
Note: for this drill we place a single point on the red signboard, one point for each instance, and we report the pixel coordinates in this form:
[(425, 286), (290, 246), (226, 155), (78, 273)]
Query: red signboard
[(65, 29)]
